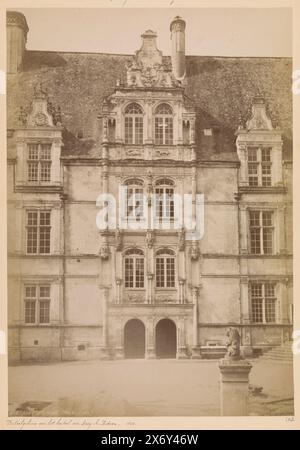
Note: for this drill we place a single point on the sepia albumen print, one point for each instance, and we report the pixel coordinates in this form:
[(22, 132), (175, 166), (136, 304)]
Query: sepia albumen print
[(149, 225)]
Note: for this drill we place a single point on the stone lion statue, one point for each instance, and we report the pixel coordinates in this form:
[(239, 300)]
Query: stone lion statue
[(233, 344)]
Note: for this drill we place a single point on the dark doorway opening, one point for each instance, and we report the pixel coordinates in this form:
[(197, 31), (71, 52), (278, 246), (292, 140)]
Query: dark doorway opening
[(134, 339), (166, 338)]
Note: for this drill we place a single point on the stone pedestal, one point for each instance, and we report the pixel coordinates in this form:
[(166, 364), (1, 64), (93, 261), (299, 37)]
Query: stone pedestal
[(196, 352), (181, 353), (150, 353), (118, 353), (104, 353), (234, 386)]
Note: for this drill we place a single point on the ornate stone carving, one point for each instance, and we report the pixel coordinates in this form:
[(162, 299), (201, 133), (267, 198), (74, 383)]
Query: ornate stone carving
[(23, 116), (233, 344), (181, 239), (162, 152), (150, 238), (133, 152), (259, 119), (195, 252), (118, 240), (104, 248)]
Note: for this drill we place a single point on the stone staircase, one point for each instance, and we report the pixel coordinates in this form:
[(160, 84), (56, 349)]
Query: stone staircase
[(282, 353)]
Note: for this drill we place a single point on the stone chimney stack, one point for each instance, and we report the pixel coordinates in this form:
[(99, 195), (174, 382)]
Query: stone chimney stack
[(17, 29), (177, 28)]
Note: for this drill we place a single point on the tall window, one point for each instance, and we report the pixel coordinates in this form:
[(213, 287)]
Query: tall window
[(165, 269), (38, 232), (134, 199), (39, 162), (259, 166), (164, 125), (134, 124), (164, 199), (263, 302), (37, 304), (134, 269), (261, 232)]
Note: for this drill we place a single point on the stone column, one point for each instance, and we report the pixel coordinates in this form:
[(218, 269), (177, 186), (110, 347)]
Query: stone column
[(149, 296), (243, 175), (119, 348), (234, 378), (104, 347), (150, 346), (245, 317), (243, 229), (181, 341), (281, 229), (196, 351), (277, 172)]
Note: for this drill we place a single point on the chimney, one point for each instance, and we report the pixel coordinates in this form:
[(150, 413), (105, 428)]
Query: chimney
[(177, 28), (16, 29)]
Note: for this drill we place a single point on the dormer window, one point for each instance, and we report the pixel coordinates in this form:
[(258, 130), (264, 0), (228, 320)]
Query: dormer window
[(39, 162), (163, 125), (259, 166), (134, 127)]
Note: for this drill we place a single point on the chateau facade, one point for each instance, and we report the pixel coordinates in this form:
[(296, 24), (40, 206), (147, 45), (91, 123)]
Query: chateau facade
[(149, 201)]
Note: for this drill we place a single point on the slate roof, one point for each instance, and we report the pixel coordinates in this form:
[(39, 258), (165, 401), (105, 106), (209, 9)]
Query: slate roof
[(221, 88)]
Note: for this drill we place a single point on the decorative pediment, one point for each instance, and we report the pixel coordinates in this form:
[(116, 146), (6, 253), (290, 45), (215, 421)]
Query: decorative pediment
[(259, 119), (147, 68), (42, 112)]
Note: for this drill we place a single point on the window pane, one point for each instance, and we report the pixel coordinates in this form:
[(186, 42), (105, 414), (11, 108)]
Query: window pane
[(160, 272), (30, 291), (159, 133), (265, 154), (267, 218), (268, 241), (255, 241), (45, 171), (44, 240), (32, 231), (170, 272), (253, 174), (45, 291), (254, 218), (32, 171), (45, 311), (45, 151), (30, 311), (139, 272), (33, 151), (168, 130), (252, 154), (270, 310), (138, 130), (257, 312), (128, 130), (128, 272)]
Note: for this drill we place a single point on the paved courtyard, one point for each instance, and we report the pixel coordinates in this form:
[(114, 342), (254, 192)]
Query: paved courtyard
[(141, 388)]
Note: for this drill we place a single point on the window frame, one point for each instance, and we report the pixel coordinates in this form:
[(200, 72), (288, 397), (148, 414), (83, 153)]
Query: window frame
[(137, 134), (264, 298), (135, 185), (37, 300), (260, 163), (163, 117), (261, 228), (40, 161), (165, 254), (37, 227), (168, 201), (134, 255)]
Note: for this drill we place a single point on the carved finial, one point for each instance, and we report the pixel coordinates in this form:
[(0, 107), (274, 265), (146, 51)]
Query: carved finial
[(39, 92), (233, 344)]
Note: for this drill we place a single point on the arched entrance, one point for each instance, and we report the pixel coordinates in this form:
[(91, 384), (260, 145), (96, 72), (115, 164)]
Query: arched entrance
[(166, 339), (134, 339)]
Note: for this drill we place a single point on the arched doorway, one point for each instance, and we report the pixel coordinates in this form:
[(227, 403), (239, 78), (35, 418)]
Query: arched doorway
[(134, 339), (165, 338)]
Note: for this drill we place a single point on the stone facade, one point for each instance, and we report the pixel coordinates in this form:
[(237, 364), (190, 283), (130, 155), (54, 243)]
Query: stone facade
[(70, 292)]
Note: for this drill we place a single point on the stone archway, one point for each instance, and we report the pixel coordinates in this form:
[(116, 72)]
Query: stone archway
[(134, 339), (166, 339)]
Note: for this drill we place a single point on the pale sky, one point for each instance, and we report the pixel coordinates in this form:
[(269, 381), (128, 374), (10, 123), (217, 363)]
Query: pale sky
[(209, 31)]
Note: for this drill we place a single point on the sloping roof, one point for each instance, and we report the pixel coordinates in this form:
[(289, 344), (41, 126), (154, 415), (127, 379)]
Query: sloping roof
[(222, 89)]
